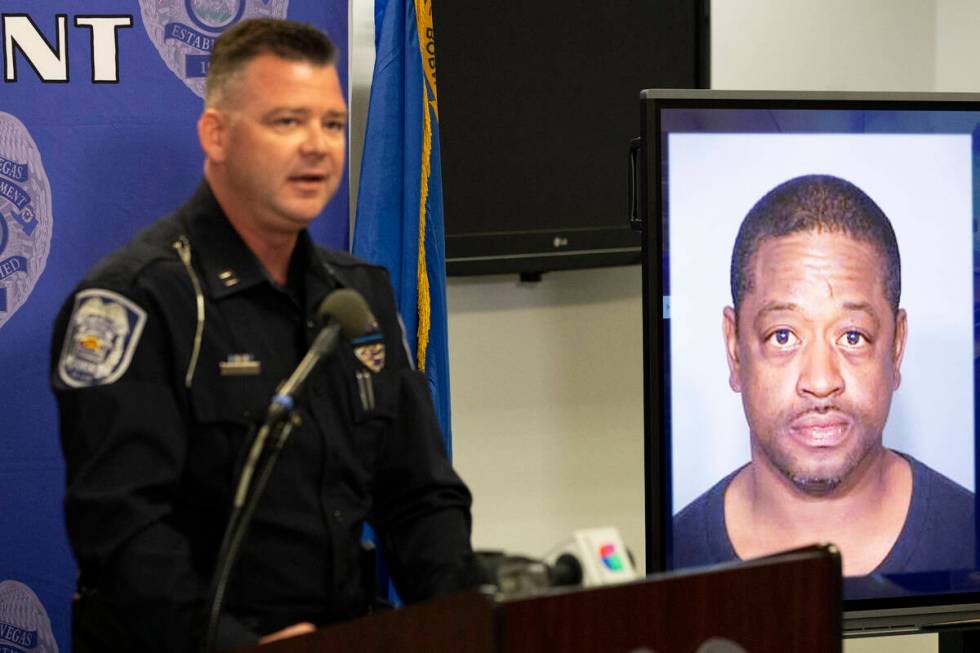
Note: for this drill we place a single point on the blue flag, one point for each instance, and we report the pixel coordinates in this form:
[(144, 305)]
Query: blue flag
[(399, 222)]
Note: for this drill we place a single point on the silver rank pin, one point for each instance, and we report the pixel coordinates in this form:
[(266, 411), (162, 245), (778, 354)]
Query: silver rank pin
[(228, 278), (240, 365)]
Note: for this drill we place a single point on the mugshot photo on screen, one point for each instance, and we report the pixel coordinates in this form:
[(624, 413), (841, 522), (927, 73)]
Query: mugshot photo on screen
[(923, 184)]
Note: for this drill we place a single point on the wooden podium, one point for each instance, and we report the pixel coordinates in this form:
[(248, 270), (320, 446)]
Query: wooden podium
[(789, 602)]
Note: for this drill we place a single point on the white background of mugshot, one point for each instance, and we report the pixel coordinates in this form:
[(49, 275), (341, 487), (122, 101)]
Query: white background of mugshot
[(923, 184)]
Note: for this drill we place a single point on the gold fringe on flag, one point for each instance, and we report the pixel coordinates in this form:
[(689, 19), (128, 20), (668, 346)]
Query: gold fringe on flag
[(423, 21), (427, 46), (423, 287)]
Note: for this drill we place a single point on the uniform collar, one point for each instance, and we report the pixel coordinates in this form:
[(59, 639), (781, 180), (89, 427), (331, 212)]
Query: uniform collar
[(227, 265)]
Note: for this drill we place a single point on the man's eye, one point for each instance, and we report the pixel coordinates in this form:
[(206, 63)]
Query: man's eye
[(335, 125), (285, 122), (782, 338), (853, 338)]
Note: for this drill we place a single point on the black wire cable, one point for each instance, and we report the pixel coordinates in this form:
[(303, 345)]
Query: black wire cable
[(237, 527)]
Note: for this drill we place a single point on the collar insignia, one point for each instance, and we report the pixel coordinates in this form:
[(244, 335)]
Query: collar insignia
[(228, 278)]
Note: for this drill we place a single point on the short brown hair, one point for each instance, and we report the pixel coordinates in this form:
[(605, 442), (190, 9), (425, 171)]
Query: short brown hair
[(287, 39)]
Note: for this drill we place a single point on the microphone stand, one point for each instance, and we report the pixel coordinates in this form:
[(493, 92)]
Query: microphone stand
[(345, 312), (242, 511), (278, 424)]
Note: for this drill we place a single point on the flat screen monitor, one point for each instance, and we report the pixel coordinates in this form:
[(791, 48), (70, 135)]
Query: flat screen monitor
[(811, 338), (536, 101)]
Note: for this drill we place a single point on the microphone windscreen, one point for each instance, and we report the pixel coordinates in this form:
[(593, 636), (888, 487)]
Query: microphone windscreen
[(347, 308), (567, 570)]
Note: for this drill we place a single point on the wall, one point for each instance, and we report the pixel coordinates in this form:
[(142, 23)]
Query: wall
[(841, 45), (957, 49), (547, 405)]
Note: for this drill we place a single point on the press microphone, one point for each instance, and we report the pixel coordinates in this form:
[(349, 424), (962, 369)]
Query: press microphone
[(511, 575), (591, 557), (600, 554), (567, 570), (343, 313), (517, 575)]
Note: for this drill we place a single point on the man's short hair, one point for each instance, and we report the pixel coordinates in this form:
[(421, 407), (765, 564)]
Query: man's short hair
[(252, 37), (821, 204)]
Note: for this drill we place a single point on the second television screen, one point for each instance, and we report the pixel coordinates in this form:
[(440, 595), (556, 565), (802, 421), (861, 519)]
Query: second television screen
[(819, 302)]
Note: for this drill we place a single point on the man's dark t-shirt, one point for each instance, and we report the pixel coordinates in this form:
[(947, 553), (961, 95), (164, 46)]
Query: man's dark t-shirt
[(939, 532)]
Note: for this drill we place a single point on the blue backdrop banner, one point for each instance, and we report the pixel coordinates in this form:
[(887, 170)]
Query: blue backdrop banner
[(98, 108)]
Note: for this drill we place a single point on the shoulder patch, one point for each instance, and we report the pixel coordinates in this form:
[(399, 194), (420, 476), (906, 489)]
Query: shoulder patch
[(102, 334)]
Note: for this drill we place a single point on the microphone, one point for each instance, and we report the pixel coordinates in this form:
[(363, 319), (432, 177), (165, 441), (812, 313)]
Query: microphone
[(511, 575), (567, 570), (600, 554), (591, 557), (517, 575), (343, 312)]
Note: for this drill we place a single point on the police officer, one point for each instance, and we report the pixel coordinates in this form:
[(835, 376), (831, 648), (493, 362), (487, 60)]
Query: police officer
[(166, 355)]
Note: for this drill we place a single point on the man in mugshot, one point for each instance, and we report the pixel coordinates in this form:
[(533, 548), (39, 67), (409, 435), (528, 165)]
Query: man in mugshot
[(814, 341)]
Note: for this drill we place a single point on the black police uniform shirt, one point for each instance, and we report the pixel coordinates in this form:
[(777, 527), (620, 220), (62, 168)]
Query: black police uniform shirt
[(158, 395)]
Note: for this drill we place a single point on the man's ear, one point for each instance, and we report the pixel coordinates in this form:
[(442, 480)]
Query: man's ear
[(898, 348), (730, 329), (212, 130)]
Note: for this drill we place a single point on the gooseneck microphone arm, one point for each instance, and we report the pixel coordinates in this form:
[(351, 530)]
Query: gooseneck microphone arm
[(345, 313), (283, 402), (239, 520)]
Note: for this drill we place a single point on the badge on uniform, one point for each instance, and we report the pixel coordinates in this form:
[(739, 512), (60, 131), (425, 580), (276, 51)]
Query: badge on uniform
[(102, 334), (370, 350)]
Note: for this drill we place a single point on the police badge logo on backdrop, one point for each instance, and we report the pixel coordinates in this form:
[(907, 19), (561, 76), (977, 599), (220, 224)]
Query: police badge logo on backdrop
[(24, 623), (184, 31), (25, 215)]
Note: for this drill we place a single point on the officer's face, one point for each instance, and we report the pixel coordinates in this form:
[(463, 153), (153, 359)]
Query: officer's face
[(284, 140), (816, 356)]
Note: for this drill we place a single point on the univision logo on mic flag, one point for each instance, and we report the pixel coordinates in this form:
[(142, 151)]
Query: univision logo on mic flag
[(602, 554), (610, 557)]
